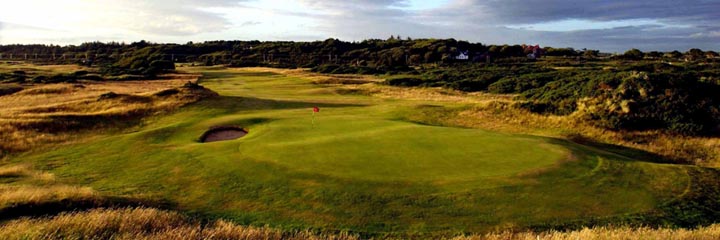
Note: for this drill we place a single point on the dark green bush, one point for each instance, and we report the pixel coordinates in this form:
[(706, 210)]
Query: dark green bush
[(347, 69), (162, 65), (246, 63), (405, 81)]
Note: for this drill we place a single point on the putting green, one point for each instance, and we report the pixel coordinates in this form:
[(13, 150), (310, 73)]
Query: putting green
[(359, 168), (381, 150)]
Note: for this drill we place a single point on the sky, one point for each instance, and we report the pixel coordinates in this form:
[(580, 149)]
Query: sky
[(607, 25)]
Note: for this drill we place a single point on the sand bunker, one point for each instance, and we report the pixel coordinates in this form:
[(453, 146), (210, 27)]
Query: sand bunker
[(223, 133)]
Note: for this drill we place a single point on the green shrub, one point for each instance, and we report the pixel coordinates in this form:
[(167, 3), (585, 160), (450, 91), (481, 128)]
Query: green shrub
[(162, 65), (405, 81)]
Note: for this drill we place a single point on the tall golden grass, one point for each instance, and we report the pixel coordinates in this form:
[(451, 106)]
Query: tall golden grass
[(141, 223), (32, 187), (34, 195), (54, 113), (608, 233), (147, 223), (25, 170), (31, 68)]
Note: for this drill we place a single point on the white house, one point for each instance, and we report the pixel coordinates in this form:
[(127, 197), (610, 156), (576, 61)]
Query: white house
[(463, 56)]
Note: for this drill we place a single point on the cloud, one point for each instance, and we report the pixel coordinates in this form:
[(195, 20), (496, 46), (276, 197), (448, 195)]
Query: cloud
[(181, 17), (611, 25), (356, 19), (537, 11), (156, 17), (710, 34), (677, 24), (250, 23)]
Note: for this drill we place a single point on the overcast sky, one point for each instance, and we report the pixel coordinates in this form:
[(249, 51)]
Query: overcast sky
[(608, 25)]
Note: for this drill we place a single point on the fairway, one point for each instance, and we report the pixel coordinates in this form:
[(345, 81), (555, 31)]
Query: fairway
[(360, 167)]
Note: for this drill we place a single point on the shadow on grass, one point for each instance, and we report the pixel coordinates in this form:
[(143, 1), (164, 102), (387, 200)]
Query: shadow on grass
[(626, 152), (227, 75), (234, 104), (70, 205), (700, 206), (77, 122)]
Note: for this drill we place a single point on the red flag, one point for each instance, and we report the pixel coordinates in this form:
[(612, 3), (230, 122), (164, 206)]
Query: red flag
[(316, 109)]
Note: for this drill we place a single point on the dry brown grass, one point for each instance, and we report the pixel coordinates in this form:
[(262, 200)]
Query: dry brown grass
[(147, 223), (32, 187), (24, 170), (608, 233), (54, 113), (33, 195), (140, 223), (46, 69), (432, 94)]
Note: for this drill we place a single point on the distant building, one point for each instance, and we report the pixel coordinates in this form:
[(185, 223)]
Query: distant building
[(463, 55), (535, 52)]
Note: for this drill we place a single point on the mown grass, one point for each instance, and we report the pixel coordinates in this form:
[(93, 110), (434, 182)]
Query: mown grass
[(149, 223), (366, 167)]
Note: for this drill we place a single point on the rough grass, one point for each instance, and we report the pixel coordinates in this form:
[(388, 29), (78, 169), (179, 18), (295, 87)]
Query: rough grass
[(7, 89), (144, 223), (33, 69), (25, 191), (608, 233), (36, 195), (20, 171), (141, 223), (54, 113)]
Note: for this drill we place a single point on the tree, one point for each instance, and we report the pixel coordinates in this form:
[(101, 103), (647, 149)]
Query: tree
[(512, 51), (673, 55), (560, 52), (711, 54), (591, 53), (633, 54), (654, 54), (695, 54)]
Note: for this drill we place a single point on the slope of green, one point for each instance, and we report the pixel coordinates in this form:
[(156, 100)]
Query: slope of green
[(359, 168)]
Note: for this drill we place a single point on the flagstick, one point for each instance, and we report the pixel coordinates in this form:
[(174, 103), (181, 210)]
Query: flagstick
[(313, 119)]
